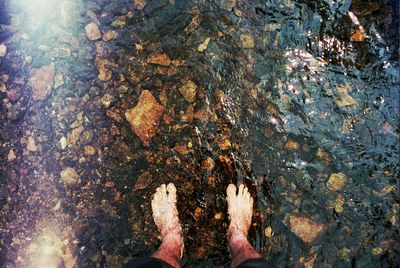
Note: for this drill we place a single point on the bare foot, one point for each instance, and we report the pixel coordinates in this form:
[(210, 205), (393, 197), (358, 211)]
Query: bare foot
[(240, 210), (166, 218)]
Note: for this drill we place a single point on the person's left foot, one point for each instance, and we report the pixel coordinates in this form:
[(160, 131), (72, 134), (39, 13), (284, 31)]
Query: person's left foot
[(165, 216)]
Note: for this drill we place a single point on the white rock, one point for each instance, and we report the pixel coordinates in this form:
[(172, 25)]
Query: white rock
[(63, 143), (3, 50), (11, 155)]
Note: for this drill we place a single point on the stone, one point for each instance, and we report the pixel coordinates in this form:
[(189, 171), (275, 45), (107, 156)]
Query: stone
[(31, 145), (58, 80), (358, 35), (203, 46), (109, 35), (188, 90), (92, 31), (105, 73), (74, 135), (107, 99), (140, 4), (62, 52), (41, 81), (305, 228), (208, 163), (247, 41), (344, 99), (69, 176), (336, 181), (63, 143), (291, 145), (90, 150), (11, 155), (225, 144), (159, 59), (3, 50), (145, 116)]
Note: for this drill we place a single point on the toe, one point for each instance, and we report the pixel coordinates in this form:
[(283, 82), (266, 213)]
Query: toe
[(241, 188), (171, 191), (163, 191), (230, 191)]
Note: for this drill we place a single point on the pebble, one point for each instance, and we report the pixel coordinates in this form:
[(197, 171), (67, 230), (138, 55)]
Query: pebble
[(69, 176), (305, 228), (140, 4), (11, 155), (344, 99), (58, 80), (203, 46), (109, 35), (188, 90), (63, 143), (107, 99), (92, 31), (3, 50), (90, 150), (31, 146), (42, 81), (291, 145), (159, 59), (247, 41), (336, 181), (145, 116)]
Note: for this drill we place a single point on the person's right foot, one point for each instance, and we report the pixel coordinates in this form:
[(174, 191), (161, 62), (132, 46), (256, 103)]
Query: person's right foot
[(240, 208)]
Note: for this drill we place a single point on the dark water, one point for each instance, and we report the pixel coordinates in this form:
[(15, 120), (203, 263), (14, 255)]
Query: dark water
[(285, 98)]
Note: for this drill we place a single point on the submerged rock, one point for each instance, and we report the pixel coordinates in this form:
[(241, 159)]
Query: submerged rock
[(42, 81), (336, 181), (144, 118), (140, 4), (69, 176), (92, 31), (305, 228), (3, 50), (188, 90)]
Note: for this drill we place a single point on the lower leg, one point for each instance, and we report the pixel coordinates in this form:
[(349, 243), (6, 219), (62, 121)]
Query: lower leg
[(240, 210), (165, 216)]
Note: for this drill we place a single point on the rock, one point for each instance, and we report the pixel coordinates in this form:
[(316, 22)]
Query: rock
[(291, 145), (92, 31), (42, 81), (144, 118), (336, 181), (188, 90), (62, 52), (90, 150), (31, 145), (63, 143), (268, 232), (14, 94), (305, 228), (339, 204), (358, 35), (225, 144), (208, 163), (105, 73), (58, 80), (247, 41), (74, 135), (203, 46), (344, 99), (140, 4), (194, 24), (159, 59), (3, 50), (107, 99), (11, 155), (69, 176), (109, 35)]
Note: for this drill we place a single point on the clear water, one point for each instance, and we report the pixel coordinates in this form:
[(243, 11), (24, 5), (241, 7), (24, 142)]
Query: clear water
[(282, 81)]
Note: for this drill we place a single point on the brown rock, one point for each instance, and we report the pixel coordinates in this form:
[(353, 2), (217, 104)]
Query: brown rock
[(291, 145), (305, 228), (42, 81), (144, 118), (188, 90), (92, 31), (109, 35), (140, 4), (247, 41), (74, 135), (69, 176), (159, 59), (90, 150)]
